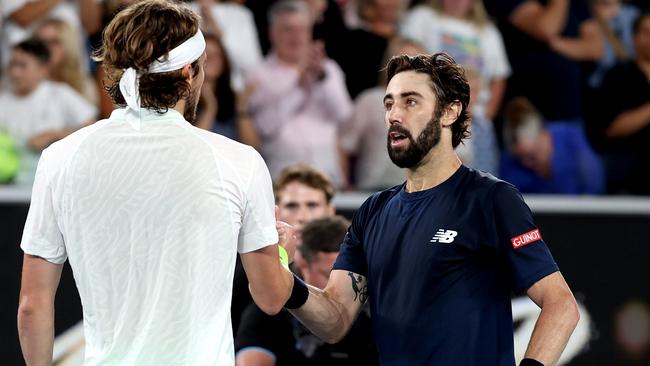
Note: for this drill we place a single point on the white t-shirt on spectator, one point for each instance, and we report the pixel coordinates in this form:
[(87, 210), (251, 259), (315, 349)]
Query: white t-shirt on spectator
[(239, 38), (53, 106), (478, 47), (151, 221)]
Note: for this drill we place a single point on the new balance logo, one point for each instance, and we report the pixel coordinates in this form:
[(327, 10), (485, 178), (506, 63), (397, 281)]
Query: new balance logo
[(444, 236)]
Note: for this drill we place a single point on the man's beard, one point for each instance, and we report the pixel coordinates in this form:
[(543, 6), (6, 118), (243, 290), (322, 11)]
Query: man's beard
[(412, 155), (189, 112)]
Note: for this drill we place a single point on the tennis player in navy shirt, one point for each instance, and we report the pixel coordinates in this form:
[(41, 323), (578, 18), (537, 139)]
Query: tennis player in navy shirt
[(439, 256)]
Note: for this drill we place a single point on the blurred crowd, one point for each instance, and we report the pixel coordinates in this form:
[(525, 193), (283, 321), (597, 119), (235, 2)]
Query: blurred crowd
[(560, 98)]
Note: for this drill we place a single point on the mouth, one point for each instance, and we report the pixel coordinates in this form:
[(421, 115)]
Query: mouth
[(397, 138)]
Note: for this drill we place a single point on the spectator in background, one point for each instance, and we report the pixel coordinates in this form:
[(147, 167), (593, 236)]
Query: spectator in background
[(302, 194), (66, 59), (221, 109), (462, 29), (614, 21), (624, 128), (479, 151), (235, 25), (279, 340), (22, 16), (300, 97), (37, 112), (548, 79), (549, 158), (361, 51), (365, 136)]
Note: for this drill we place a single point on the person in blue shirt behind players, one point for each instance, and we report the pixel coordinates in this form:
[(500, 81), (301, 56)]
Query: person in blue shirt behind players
[(551, 158), (439, 256)]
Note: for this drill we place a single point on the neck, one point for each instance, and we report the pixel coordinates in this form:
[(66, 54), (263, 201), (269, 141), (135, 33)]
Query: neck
[(436, 167), (180, 107)]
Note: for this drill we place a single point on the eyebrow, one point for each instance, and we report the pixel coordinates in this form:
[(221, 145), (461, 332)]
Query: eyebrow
[(404, 95)]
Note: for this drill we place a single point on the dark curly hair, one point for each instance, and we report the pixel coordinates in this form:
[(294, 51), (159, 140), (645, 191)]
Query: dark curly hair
[(140, 34), (448, 82)]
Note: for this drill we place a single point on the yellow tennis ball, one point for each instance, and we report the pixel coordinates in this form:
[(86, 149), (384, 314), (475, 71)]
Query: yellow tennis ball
[(9, 159)]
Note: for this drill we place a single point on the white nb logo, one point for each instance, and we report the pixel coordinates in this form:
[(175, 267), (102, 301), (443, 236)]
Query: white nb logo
[(444, 236)]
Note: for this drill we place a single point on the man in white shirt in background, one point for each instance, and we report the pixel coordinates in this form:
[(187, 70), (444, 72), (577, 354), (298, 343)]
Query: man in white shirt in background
[(300, 97), (34, 111), (151, 212)]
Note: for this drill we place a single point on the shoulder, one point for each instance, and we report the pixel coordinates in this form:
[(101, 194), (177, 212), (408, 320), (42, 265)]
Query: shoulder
[(226, 148), (377, 200), (55, 155)]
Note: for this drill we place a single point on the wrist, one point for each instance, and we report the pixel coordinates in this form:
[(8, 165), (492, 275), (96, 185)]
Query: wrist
[(530, 362)]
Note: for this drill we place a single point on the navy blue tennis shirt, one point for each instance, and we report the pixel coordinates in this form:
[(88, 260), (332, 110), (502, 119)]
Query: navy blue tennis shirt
[(441, 266)]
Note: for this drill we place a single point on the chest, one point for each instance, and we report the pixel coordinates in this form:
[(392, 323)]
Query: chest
[(427, 238)]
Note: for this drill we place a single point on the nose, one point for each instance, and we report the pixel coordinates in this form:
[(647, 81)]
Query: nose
[(394, 115)]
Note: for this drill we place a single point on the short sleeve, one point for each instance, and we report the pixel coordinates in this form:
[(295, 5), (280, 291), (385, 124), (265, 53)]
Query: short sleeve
[(352, 256), (496, 58), (258, 223), (42, 235), (519, 238)]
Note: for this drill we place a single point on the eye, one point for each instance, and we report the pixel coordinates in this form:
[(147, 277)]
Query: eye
[(388, 105), (411, 102)]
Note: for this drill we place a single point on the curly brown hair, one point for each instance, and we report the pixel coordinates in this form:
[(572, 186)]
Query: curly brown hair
[(448, 82), (139, 35)]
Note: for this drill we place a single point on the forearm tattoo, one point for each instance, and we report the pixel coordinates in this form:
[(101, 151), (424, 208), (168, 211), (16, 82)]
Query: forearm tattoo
[(360, 293)]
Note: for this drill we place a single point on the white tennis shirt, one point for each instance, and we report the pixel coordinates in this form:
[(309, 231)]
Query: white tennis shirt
[(151, 222)]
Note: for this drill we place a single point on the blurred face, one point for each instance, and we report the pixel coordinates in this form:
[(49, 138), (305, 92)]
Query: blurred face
[(388, 10), (214, 60), (413, 126), (606, 9), (317, 273), (642, 40), (291, 36), (49, 34), (25, 72), (457, 8), (197, 82), (300, 204)]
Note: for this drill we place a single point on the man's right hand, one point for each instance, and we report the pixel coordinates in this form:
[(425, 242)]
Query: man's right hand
[(287, 235)]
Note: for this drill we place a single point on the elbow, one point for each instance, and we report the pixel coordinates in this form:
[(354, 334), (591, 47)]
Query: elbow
[(333, 338), (573, 313), (29, 308), (271, 304)]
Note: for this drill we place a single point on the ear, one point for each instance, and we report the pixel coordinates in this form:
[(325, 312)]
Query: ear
[(186, 71), (451, 114)]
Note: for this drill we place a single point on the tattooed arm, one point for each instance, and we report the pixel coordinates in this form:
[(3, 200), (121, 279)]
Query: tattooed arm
[(330, 313)]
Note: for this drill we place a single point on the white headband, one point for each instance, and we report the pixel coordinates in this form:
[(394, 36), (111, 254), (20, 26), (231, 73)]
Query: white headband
[(184, 54)]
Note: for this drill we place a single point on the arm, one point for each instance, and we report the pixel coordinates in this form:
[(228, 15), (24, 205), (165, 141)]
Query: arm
[(40, 280), (497, 90), (629, 122), (270, 283), (557, 320), (254, 357), (330, 313), (587, 47), (32, 11), (541, 22)]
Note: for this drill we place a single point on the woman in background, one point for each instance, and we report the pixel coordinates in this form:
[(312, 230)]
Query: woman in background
[(67, 63), (221, 110), (462, 29)]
